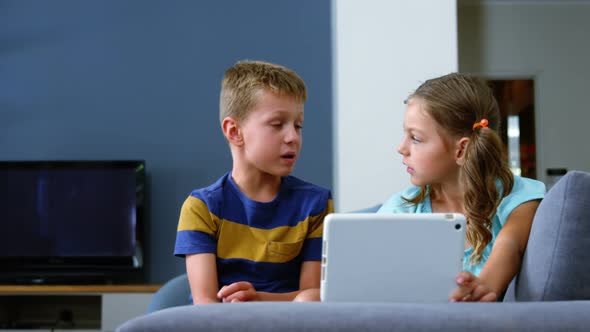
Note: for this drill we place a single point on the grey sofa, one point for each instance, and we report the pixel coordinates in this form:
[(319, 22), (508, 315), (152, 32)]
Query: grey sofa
[(551, 292)]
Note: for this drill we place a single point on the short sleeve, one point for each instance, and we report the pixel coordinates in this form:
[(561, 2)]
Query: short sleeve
[(197, 229), (523, 190), (312, 246)]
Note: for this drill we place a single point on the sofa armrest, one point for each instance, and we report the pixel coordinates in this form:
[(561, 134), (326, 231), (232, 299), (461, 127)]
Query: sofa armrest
[(316, 316), (556, 265)]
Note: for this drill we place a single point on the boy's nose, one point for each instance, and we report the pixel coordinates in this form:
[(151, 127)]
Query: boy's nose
[(292, 135)]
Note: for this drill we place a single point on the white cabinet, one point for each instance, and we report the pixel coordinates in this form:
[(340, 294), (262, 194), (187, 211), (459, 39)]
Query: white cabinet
[(71, 308), (119, 308)]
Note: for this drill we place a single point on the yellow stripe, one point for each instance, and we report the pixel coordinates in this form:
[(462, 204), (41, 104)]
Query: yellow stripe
[(275, 245), (235, 240), (316, 223), (195, 216)]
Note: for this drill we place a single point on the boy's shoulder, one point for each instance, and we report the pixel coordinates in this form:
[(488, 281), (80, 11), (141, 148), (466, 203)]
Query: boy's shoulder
[(291, 188), (305, 196), (212, 191), (297, 184)]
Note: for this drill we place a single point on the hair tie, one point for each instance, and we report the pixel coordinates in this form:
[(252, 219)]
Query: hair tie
[(483, 123)]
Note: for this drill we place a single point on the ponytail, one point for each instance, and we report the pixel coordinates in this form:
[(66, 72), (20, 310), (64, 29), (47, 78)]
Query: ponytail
[(484, 165)]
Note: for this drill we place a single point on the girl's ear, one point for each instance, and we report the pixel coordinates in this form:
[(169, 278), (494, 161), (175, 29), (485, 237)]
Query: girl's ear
[(231, 131), (460, 150)]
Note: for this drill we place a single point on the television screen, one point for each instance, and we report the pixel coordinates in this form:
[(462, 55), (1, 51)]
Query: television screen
[(70, 216)]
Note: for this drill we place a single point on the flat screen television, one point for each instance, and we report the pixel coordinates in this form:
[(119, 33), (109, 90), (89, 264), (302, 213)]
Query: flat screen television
[(71, 222)]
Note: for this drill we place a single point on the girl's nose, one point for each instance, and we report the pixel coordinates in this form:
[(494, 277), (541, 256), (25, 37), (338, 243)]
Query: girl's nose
[(401, 149)]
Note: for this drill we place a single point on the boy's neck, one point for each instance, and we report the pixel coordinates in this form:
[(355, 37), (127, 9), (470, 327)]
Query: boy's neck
[(258, 187)]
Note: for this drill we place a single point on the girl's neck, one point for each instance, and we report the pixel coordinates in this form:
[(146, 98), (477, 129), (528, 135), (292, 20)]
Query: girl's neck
[(257, 186), (447, 197)]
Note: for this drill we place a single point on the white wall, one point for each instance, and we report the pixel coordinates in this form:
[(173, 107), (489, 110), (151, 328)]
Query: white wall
[(383, 49), (550, 42)]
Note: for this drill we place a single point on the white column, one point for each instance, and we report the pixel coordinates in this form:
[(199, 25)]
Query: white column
[(383, 49)]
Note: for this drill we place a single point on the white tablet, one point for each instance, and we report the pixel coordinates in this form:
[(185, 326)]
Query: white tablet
[(368, 257)]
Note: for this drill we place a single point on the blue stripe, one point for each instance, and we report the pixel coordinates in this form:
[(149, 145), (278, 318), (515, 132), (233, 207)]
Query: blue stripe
[(266, 277), (312, 249), (296, 201), (194, 242)]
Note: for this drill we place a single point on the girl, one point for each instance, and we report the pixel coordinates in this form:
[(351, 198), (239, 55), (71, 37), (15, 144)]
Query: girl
[(456, 162)]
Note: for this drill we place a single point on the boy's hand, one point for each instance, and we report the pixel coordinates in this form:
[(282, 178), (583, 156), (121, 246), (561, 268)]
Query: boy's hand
[(471, 289), (241, 291)]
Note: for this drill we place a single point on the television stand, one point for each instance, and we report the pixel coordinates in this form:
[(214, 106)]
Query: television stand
[(81, 277), (69, 307)]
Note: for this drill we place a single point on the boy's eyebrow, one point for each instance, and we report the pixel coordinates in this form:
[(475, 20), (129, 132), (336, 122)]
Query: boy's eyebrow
[(281, 112)]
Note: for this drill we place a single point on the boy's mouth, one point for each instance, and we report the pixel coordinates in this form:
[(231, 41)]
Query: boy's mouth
[(288, 155)]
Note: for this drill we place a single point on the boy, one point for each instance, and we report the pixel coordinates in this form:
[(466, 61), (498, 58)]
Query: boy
[(256, 232)]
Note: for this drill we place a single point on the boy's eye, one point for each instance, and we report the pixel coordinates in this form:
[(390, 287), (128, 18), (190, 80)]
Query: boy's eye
[(415, 139)]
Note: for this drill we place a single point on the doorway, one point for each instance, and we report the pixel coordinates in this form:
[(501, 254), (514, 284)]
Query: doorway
[(516, 99)]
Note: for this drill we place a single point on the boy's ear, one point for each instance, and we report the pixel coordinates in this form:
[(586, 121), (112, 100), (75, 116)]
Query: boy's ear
[(460, 150), (231, 131)]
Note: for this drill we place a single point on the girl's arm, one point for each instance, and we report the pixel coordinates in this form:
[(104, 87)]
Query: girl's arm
[(504, 261), (202, 277)]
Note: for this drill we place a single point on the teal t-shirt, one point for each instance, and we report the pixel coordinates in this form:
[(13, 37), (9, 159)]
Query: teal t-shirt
[(524, 190)]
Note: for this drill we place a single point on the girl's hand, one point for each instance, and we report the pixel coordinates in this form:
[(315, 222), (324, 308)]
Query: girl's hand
[(471, 289), (241, 291)]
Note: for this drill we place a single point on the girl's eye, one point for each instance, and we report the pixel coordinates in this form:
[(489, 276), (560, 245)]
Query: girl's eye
[(415, 139), (276, 124), (299, 126)]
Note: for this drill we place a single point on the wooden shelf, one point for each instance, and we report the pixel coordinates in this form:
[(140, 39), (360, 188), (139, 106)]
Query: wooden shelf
[(97, 308), (49, 289)]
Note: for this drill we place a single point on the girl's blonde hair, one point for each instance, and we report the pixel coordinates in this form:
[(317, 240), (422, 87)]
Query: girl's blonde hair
[(243, 81), (456, 102)]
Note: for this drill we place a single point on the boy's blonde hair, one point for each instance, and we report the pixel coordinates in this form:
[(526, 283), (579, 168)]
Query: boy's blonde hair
[(243, 81)]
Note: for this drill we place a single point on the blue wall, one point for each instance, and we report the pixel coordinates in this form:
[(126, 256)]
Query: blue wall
[(140, 80)]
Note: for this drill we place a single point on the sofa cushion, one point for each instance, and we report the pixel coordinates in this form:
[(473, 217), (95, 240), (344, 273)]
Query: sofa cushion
[(175, 292), (556, 265)]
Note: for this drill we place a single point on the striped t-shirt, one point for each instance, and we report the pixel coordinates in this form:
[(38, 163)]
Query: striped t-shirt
[(262, 243)]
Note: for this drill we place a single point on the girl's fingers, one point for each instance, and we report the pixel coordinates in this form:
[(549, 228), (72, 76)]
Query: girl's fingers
[(489, 297), (480, 291), (464, 278), (460, 293), (466, 298)]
